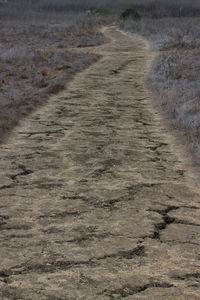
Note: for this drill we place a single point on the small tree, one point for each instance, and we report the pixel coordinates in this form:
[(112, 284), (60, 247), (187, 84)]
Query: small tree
[(131, 13)]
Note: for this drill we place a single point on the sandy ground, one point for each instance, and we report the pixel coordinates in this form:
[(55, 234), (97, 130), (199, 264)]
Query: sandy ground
[(96, 199)]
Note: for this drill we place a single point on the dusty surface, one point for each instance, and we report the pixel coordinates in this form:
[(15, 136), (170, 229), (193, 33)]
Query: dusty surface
[(95, 200)]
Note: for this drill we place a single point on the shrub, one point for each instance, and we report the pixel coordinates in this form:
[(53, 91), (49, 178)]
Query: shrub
[(103, 11), (88, 12), (99, 11), (131, 13)]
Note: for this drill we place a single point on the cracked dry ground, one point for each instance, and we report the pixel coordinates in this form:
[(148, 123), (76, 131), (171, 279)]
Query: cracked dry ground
[(95, 200)]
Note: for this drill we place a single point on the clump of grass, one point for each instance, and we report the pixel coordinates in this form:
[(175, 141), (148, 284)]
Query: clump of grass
[(130, 13), (103, 11), (99, 11)]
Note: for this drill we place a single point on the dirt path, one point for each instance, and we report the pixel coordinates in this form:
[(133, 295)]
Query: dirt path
[(94, 202)]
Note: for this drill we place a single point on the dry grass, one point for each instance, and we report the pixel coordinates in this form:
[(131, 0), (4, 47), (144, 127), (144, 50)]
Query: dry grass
[(36, 60), (35, 56), (153, 8), (175, 74)]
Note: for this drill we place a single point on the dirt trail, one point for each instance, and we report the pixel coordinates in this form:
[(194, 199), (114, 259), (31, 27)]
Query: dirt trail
[(95, 203)]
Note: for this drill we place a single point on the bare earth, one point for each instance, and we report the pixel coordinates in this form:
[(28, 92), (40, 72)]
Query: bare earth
[(96, 202)]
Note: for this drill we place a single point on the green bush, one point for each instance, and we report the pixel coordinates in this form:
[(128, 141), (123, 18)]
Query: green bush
[(131, 13), (99, 11), (103, 11)]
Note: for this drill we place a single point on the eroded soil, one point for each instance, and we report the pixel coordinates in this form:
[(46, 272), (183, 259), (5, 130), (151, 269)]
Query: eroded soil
[(96, 203)]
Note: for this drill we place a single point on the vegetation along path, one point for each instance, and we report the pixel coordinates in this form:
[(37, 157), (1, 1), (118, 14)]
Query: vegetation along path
[(95, 201)]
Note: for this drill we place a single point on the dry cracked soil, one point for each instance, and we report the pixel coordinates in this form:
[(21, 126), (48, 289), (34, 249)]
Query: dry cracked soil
[(96, 199)]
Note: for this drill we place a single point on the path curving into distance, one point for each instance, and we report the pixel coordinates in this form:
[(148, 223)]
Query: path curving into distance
[(94, 202)]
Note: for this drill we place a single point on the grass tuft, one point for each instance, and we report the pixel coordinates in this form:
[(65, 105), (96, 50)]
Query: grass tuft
[(99, 11)]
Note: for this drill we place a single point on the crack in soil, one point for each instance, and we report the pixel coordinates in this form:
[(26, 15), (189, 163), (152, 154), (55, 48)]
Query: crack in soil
[(154, 148), (61, 214), (7, 186), (132, 189), (48, 267), (128, 290), (52, 266), (186, 276), (23, 173), (3, 220), (166, 221), (126, 254), (47, 133)]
